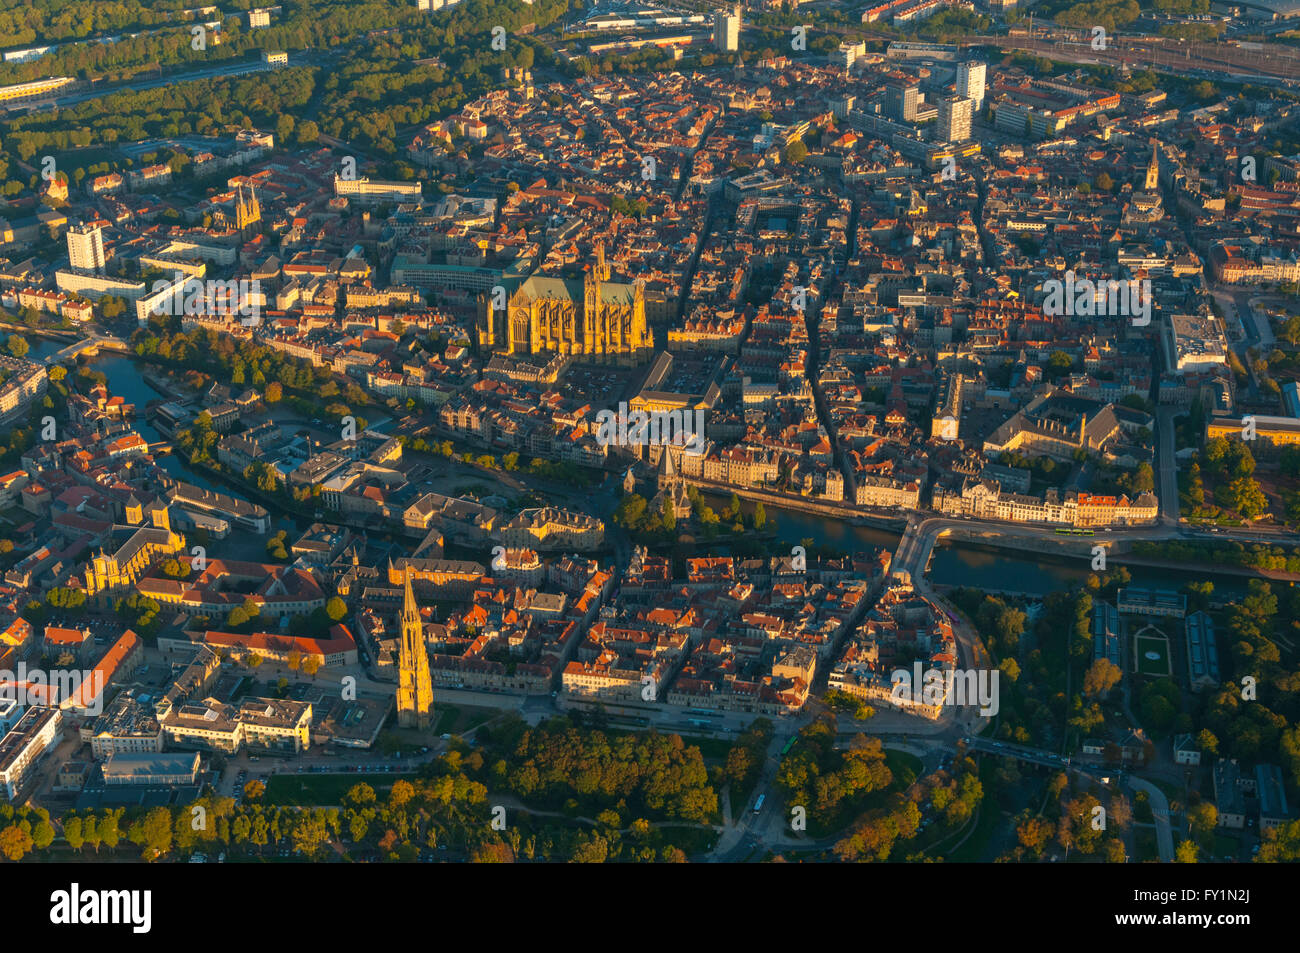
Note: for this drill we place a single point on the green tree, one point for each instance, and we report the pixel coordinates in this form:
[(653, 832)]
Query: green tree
[(15, 843), (42, 834), (152, 833), (310, 833), (72, 832)]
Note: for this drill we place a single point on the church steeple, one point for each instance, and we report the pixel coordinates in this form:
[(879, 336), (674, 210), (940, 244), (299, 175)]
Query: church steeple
[(415, 687), (410, 611), (1153, 170)]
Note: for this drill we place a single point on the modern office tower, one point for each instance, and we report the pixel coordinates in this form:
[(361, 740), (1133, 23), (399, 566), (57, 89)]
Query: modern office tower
[(902, 101), (955, 114), (726, 30), (970, 82), (86, 248)]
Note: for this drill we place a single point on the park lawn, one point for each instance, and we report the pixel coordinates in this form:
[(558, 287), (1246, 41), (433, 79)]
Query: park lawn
[(712, 749), (1158, 667), (905, 767), (471, 718), (447, 716), (307, 790), (1144, 842), (459, 720)]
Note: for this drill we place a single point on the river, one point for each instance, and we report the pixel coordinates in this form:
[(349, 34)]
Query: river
[(953, 564), (126, 379), (963, 564)]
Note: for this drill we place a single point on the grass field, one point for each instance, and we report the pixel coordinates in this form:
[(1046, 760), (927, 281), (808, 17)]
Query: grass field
[(905, 766), (460, 719), (305, 790), (1159, 666)]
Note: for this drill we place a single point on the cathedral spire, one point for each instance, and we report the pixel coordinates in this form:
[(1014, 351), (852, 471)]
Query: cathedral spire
[(414, 687), (410, 611)]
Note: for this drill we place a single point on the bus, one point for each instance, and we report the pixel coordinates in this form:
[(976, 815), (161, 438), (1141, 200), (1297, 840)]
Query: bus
[(758, 805), (788, 745)]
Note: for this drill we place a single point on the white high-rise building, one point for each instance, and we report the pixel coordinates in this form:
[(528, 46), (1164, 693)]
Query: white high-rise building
[(970, 82), (955, 115), (726, 30), (86, 248)]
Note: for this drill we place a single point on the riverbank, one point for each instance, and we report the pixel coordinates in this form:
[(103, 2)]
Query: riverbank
[(69, 336), (993, 563), (854, 515), (1272, 575)]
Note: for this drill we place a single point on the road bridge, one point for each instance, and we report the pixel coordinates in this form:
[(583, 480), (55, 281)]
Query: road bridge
[(89, 346)]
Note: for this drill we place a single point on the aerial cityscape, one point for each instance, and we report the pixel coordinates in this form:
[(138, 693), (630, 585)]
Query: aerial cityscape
[(521, 431)]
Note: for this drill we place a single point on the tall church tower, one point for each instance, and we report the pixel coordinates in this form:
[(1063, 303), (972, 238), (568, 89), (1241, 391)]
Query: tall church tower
[(247, 213), (1153, 171), (414, 687)]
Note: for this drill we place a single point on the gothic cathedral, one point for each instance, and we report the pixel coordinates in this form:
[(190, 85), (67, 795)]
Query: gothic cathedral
[(596, 320)]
